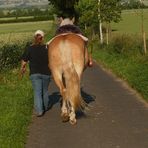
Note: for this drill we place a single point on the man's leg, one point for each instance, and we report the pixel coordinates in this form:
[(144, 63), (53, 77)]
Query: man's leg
[(45, 80), (36, 80)]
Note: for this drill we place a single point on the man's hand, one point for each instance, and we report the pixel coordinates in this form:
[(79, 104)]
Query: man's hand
[(23, 70), (23, 67)]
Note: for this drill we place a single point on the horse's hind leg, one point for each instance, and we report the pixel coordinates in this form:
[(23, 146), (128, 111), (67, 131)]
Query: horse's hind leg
[(72, 116), (65, 113), (65, 103), (59, 81)]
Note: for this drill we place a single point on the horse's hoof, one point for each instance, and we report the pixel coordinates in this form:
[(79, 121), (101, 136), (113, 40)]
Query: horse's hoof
[(65, 117), (73, 122)]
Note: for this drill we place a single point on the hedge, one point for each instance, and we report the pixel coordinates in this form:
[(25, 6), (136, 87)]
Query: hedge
[(10, 55)]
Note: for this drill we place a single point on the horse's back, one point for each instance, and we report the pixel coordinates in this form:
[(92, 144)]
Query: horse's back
[(70, 38)]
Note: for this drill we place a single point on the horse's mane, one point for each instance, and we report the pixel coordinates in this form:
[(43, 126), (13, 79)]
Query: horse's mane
[(68, 28)]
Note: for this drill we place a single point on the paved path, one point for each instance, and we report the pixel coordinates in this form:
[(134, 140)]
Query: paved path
[(116, 119)]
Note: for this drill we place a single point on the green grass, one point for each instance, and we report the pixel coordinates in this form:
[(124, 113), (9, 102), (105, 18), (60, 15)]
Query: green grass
[(25, 27), (132, 68), (16, 103), (20, 32), (12, 38), (131, 22)]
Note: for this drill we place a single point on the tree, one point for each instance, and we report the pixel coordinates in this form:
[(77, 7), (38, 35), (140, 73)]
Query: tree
[(110, 11), (87, 10), (88, 19), (92, 11), (132, 4), (65, 8), (100, 21), (142, 28)]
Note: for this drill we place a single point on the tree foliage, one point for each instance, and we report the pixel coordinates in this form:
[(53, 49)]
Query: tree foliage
[(84, 9), (88, 9), (133, 4), (33, 11), (110, 10), (64, 8), (90, 12)]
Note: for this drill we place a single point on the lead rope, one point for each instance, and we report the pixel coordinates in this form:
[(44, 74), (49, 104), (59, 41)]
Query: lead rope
[(84, 66), (91, 51)]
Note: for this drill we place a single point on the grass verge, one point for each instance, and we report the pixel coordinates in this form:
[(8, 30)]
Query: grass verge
[(16, 105), (15, 109)]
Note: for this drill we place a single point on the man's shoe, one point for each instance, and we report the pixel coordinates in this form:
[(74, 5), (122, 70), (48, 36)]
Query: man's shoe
[(90, 63), (40, 114)]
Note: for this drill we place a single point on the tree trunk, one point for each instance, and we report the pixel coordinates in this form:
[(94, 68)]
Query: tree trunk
[(100, 23), (110, 31), (107, 33), (144, 42), (101, 33)]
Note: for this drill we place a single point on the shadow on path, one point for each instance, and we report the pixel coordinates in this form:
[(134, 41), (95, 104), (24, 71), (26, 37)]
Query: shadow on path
[(55, 98), (88, 99)]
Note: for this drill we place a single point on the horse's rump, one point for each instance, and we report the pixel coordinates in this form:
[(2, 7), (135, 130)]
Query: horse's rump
[(68, 49)]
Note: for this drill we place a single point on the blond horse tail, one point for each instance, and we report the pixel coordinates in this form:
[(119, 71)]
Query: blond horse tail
[(72, 82)]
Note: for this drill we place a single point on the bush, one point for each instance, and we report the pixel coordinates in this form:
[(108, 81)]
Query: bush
[(34, 19), (10, 55), (126, 44)]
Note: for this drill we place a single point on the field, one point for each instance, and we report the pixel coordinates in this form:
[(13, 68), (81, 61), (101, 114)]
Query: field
[(20, 32), (25, 27), (131, 22)]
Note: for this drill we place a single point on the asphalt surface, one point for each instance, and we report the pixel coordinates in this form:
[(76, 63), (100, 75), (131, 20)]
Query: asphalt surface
[(116, 118)]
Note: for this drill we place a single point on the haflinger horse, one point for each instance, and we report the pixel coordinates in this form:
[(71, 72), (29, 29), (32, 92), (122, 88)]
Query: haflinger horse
[(68, 57)]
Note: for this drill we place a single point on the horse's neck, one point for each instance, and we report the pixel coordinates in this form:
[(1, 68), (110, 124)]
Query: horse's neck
[(66, 21)]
